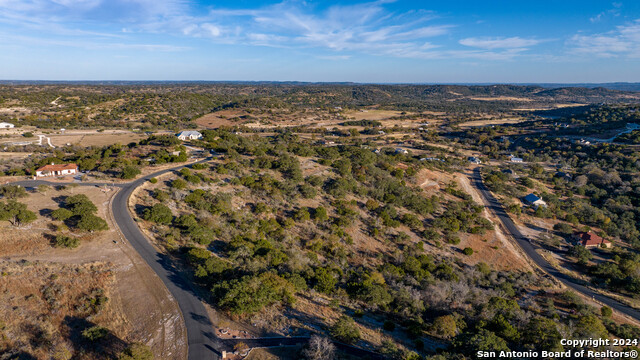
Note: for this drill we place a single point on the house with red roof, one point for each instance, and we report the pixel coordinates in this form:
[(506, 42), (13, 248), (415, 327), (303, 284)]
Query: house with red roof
[(591, 239), (57, 170)]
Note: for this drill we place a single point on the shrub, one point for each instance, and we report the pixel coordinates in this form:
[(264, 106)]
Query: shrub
[(160, 195), (136, 351), (61, 214), (95, 333), (389, 325), (252, 293), (129, 172), (16, 213), (179, 184), (302, 214), (153, 180), (346, 330), (158, 213), (325, 281), (320, 214), (563, 228), (467, 251), (66, 242), (80, 205), (92, 223), (13, 191), (307, 191)]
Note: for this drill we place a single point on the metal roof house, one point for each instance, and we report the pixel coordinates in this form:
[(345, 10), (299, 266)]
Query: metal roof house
[(534, 200), (563, 175), (474, 160), (189, 135)]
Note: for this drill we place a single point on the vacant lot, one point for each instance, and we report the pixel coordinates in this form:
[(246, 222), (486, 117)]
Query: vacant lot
[(221, 118), (372, 114), (61, 286), (477, 123)]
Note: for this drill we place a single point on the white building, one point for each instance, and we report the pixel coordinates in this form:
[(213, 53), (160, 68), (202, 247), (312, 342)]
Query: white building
[(5, 125), (57, 170), (189, 135), (474, 160), (534, 200)]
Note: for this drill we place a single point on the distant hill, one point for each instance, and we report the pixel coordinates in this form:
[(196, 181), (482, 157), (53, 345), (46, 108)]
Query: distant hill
[(180, 102), (621, 86)]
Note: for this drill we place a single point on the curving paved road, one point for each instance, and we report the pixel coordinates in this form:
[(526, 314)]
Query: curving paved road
[(528, 249), (202, 342)]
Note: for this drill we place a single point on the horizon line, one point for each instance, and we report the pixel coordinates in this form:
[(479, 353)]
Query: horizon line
[(8, 82)]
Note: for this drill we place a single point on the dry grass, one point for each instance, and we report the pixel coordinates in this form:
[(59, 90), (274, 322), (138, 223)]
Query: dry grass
[(41, 302), (13, 155), (219, 118), (372, 114), (495, 248), (501, 98), (477, 123), (278, 353), (139, 307), (554, 106)]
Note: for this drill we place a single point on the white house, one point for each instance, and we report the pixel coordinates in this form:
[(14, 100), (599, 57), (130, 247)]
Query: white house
[(6, 125), (516, 159), (189, 135), (534, 200), (401, 151), (474, 160), (57, 170)]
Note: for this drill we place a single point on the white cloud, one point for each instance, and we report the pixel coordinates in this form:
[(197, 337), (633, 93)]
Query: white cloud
[(615, 11), (623, 41), (88, 45), (499, 43), (367, 28), (335, 57)]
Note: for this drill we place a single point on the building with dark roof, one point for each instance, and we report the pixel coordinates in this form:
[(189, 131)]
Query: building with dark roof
[(590, 239)]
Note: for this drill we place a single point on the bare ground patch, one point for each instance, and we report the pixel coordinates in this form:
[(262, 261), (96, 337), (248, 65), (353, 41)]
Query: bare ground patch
[(498, 250), (139, 308)]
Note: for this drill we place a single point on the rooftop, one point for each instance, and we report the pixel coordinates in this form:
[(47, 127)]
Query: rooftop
[(590, 238), (58, 167), (532, 198)]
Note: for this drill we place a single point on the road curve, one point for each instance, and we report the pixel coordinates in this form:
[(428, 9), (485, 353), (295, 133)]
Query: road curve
[(530, 251), (202, 342)]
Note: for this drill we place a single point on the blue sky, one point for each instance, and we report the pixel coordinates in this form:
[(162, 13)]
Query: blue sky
[(380, 41)]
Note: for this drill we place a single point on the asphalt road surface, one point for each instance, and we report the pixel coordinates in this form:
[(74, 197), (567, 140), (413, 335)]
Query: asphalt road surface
[(530, 251), (202, 342)]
